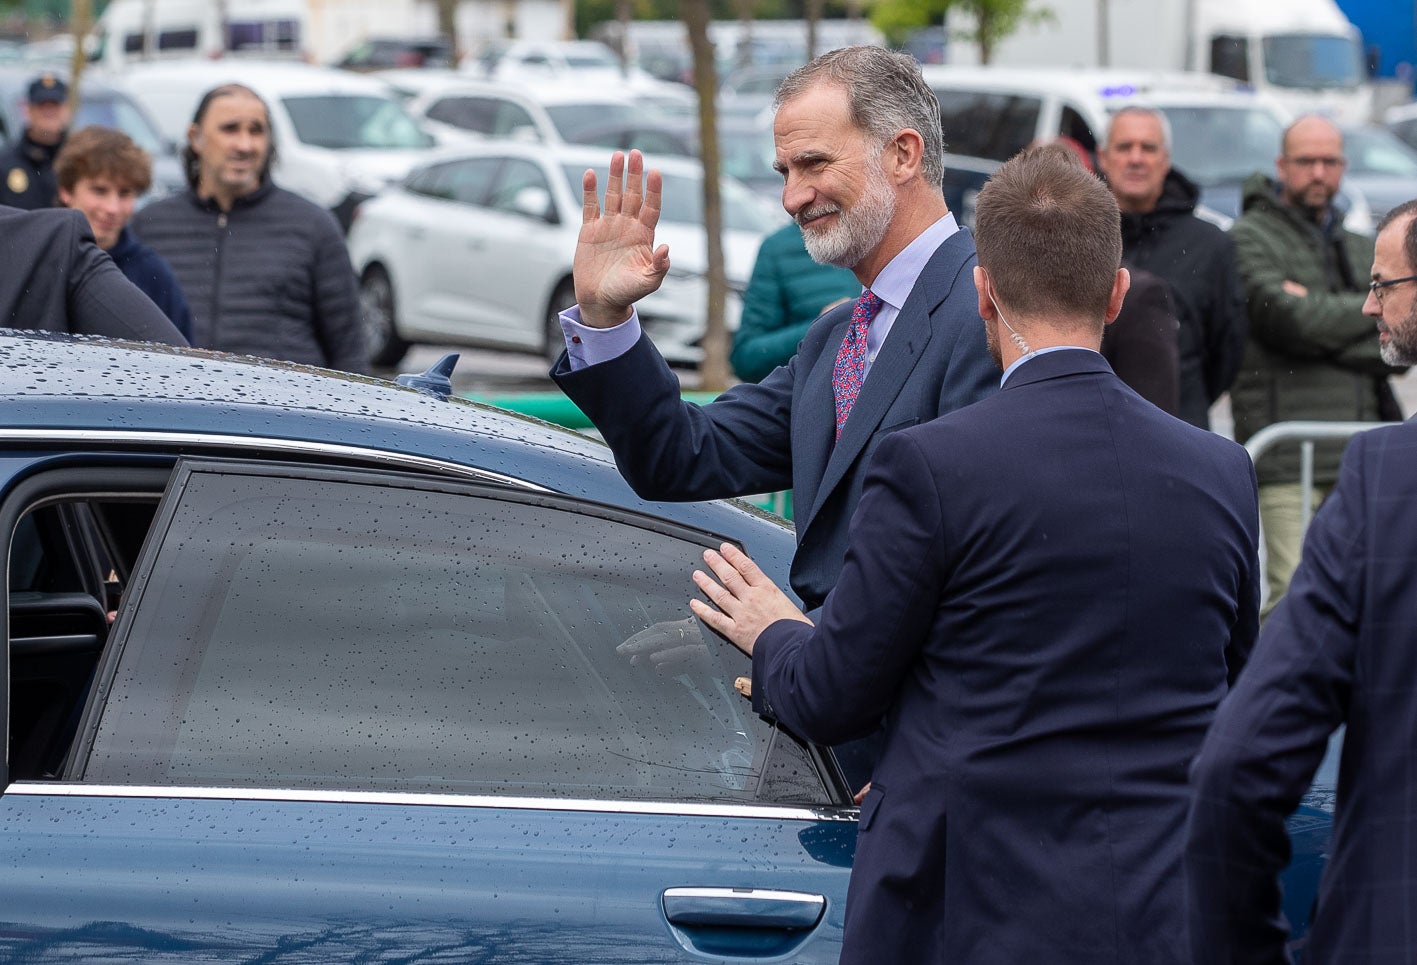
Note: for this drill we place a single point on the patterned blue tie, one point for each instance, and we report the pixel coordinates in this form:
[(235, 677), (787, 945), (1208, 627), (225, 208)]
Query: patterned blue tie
[(850, 368)]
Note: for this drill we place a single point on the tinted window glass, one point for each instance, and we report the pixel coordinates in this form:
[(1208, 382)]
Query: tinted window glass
[(573, 121), (1230, 57), (177, 39), (517, 175), (470, 113), (987, 125), (314, 633), (1211, 145)]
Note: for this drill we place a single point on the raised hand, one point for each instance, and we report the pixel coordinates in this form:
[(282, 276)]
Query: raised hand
[(747, 601), (616, 262)]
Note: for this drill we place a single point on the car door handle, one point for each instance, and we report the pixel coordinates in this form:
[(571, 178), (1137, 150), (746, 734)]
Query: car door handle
[(742, 907)]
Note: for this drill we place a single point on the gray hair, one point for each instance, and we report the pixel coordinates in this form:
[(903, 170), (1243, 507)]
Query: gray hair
[(1136, 110), (886, 94)]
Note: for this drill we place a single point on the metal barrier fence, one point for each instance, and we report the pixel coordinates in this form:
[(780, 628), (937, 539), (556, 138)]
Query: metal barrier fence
[(1306, 433)]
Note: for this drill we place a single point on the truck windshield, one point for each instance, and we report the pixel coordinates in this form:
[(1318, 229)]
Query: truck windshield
[(1312, 61), (344, 121)]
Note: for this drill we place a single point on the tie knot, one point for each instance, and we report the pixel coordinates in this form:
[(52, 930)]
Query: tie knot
[(866, 307)]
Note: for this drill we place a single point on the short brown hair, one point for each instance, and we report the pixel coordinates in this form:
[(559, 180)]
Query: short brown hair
[(1049, 234), (102, 152)]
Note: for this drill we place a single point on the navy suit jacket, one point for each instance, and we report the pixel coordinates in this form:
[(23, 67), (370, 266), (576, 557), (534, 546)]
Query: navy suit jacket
[(1043, 595), (1341, 647), (779, 433)]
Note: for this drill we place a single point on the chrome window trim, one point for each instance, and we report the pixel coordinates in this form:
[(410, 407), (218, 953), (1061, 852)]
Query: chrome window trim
[(687, 809), (754, 894), (210, 440)]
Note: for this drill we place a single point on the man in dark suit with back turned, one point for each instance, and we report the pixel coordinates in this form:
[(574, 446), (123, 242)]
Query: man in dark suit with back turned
[(57, 279), (1044, 596), (1338, 649), (859, 146)]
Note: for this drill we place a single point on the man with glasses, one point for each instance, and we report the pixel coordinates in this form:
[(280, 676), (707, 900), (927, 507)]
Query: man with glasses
[(1336, 652), (1311, 353)]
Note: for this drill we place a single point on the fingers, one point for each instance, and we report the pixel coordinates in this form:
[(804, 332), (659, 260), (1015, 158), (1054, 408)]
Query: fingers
[(634, 185), (654, 193), (744, 685), (615, 183), (721, 596), (590, 201), (860, 795), (742, 566), (715, 619)]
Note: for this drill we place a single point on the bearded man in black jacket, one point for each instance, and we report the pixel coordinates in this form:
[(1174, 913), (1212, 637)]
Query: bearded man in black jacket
[(1161, 234), (264, 270)]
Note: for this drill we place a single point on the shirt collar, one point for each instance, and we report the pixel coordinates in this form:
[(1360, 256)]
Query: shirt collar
[(1043, 351), (895, 281)]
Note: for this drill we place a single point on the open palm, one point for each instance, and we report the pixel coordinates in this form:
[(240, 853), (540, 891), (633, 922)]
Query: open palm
[(616, 262)]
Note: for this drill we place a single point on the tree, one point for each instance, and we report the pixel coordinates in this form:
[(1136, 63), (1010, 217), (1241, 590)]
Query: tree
[(713, 369), (993, 20)]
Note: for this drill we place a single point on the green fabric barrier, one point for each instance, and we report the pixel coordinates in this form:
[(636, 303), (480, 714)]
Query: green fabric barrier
[(555, 408)]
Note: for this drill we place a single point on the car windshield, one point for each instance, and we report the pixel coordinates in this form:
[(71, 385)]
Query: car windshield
[(344, 121), (1315, 61), (122, 114), (1214, 145), (683, 202), (1377, 152), (574, 120)]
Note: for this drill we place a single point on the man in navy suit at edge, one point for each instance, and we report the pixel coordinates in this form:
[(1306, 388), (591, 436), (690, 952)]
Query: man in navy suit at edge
[(859, 145), (1338, 650), (1045, 596)]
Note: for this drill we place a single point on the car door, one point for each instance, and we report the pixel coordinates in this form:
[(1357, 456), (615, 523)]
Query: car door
[(358, 715), (435, 238), (523, 247)]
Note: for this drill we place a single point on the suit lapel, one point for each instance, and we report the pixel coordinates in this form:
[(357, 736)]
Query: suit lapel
[(814, 418), (899, 354)]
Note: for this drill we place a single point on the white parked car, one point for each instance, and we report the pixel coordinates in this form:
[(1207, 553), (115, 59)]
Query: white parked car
[(475, 248), (539, 113), (340, 137)]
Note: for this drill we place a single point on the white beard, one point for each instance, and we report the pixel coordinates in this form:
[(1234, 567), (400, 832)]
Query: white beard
[(858, 230)]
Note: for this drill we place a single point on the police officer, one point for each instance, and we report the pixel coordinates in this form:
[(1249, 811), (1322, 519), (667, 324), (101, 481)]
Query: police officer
[(27, 166)]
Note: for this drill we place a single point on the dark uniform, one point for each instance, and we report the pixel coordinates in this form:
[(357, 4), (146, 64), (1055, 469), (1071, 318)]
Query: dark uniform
[(27, 167)]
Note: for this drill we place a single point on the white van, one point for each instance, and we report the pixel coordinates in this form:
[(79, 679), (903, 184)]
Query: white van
[(141, 30), (340, 137)]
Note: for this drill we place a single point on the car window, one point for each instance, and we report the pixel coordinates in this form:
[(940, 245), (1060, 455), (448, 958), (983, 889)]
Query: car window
[(1217, 144), (467, 181), (306, 629), (574, 121), (114, 111), (341, 121), (516, 175), (470, 113), (1376, 151), (987, 124)]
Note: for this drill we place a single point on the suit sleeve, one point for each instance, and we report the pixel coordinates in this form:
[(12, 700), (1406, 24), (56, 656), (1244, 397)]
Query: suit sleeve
[(835, 682), (669, 449), (102, 301), (335, 313), (1269, 737)]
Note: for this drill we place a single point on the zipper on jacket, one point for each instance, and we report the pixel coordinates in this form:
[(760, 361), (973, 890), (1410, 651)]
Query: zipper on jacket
[(214, 335)]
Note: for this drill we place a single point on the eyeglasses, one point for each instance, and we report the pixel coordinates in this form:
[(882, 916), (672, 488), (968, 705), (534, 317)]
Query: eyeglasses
[(1376, 287), (1314, 162)]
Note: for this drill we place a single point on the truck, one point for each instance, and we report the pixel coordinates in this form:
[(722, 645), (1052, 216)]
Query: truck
[(1305, 54)]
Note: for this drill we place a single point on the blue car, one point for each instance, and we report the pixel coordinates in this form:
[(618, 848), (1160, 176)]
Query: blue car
[(305, 667)]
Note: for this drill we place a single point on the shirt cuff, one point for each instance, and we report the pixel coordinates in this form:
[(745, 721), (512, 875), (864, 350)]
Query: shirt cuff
[(586, 346)]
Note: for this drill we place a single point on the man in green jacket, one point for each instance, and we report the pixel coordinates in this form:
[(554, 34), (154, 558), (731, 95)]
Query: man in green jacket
[(1311, 353)]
